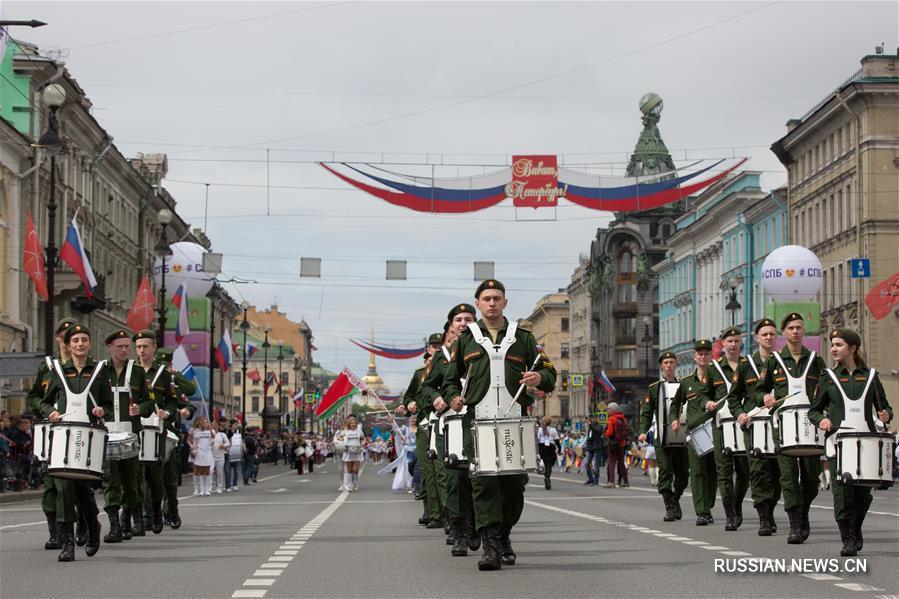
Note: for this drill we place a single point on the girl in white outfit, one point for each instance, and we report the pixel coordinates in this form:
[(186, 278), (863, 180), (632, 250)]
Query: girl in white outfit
[(220, 446), (354, 449), (200, 442)]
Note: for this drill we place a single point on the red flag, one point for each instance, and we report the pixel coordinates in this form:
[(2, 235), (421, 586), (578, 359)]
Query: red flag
[(883, 297), (33, 259), (142, 309), (253, 375)]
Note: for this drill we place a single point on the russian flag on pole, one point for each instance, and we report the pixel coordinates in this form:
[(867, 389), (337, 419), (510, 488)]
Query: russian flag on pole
[(224, 352), (605, 382), (182, 328), (72, 253)]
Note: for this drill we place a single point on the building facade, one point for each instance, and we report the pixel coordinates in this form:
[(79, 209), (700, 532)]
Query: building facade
[(842, 190), (550, 322), (583, 352)]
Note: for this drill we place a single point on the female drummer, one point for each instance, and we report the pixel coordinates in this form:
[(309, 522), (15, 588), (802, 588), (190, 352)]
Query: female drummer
[(354, 449), (829, 410), (200, 442)]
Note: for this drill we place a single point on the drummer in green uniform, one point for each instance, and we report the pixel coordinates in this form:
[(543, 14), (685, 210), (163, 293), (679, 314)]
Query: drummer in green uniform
[(427, 465), (498, 500), (733, 470), (764, 475), (674, 465), (790, 372), (459, 507), (79, 373), (122, 488), (33, 401), (696, 394), (850, 381), (410, 406)]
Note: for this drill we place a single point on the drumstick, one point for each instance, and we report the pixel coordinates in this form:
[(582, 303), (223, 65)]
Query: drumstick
[(521, 388), (758, 410)]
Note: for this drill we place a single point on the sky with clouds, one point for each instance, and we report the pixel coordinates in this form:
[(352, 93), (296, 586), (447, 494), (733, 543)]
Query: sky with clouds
[(248, 96)]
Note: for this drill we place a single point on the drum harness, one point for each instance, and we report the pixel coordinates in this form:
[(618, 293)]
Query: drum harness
[(724, 409), (498, 397), (76, 402), (123, 426), (854, 418)]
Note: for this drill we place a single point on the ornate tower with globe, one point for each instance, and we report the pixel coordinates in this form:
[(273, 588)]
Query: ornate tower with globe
[(650, 156)]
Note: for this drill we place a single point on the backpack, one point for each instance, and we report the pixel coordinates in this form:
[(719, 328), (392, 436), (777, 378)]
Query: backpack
[(621, 432)]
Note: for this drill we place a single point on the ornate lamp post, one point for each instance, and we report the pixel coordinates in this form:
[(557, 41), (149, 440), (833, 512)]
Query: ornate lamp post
[(733, 305), (647, 340), (163, 252), (244, 326), (281, 406), (265, 346)]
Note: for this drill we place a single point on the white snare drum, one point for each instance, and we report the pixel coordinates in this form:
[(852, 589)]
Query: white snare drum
[(453, 442), (171, 442), (865, 459), (667, 437), (77, 450), (121, 446), (504, 446), (700, 438), (762, 434), (732, 440), (41, 442), (799, 437), (151, 437)]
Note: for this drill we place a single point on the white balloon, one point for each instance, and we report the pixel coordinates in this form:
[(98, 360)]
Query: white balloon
[(185, 266), (792, 273)]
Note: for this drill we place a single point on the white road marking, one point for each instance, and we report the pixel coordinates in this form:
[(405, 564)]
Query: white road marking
[(694, 542), (281, 490), (287, 552), (258, 582), (715, 548), (249, 593), (822, 577), (856, 586), (280, 558), (267, 572), (736, 553), (681, 539)]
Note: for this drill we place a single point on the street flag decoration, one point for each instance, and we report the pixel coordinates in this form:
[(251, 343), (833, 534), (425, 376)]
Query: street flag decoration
[(224, 353), (340, 390), (73, 254), (533, 181), (881, 299), (182, 326), (391, 353), (181, 363), (252, 348), (253, 375), (605, 382), (270, 380), (298, 397), (33, 257), (143, 308)]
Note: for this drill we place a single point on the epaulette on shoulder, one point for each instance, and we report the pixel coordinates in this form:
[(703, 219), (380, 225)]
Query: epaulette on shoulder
[(525, 330), (655, 384)]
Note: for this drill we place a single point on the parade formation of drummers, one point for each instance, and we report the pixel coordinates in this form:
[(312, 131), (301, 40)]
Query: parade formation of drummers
[(113, 424)]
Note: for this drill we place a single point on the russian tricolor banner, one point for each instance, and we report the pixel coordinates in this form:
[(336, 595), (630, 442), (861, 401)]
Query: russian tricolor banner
[(605, 382), (182, 328), (224, 353), (72, 253)]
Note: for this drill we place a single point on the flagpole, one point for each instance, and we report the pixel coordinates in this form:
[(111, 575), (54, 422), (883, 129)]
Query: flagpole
[(358, 382), (211, 355)]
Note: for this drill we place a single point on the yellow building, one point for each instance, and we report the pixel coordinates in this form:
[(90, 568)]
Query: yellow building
[(550, 322)]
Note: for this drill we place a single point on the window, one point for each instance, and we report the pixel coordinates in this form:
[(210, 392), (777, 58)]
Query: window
[(625, 263), (237, 378), (850, 206), (269, 402), (235, 400), (627, 327), (285, 378), (627, 293), (838, 286), (626, 358), (254, 402), (565, 324), (256, 381), (565, 351)]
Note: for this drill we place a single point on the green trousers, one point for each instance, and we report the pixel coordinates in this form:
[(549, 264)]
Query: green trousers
[(75, 495), (799, 479), (151, 485), (849, 501), (498, 500), (703, 481), (440, 471), (122, 487), (674, 469), (764, 477), (170, 482), (428, 475), (51, 495), (733, 472)]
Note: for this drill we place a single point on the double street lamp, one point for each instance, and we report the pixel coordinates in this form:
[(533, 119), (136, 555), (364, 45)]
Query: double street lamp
[(733, 305), (647, 340), (244, 326), (163, 251), (265, 346)]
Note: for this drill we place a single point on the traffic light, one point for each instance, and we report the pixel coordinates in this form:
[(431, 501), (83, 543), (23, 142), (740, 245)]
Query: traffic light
[(318, 392)]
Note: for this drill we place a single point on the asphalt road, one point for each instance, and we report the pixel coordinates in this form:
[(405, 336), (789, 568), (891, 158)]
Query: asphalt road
[(297, 536)]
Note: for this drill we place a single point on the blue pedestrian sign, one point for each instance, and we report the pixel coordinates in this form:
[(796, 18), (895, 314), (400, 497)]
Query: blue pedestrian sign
[(860, 268)]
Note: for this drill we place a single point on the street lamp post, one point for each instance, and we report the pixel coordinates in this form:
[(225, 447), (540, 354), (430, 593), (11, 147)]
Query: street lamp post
[(733, 305), (244, 326), (647, 339), (163, 252), (265, 345), (593, 373), (297, 419), (281, 406), (53, 97)]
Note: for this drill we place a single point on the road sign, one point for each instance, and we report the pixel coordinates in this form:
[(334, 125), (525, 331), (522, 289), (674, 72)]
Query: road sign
[(310, 398), (860, 268), (577, 380)]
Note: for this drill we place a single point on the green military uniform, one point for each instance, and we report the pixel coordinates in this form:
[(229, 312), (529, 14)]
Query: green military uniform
[(798, 476), (732, 470), (427, 467), (498, 500), (850, 502), (421, 445), (693, 394), (181, 387), (673, 462)]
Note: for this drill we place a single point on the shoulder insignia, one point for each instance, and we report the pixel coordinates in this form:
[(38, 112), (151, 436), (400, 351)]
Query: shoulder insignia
[(547, 364), (453, 355), (472, 355), (654, 384), (844, 380), (861, 379), (518, 359)]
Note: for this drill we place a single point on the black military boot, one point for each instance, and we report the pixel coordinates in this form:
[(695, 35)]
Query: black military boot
[(457, 532), (115, 528), (771, 523), (80, 531), (764, 527), (847, 535), (678, 514), (66, 531), (93, 538), (859, 541), (140, 530), (53, 542), (423, 519), (805, 527), (434, 523), (738, 511), (175, 520), (148, 523), (474, 539), (446, 522), (795, 515), (157, 519), (669, 507), (127, 532), (507, 554), (492, 539), (730, 514)]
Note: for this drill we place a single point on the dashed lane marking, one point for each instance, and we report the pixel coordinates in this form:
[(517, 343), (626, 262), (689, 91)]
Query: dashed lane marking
[(857, 586), (822, 577)]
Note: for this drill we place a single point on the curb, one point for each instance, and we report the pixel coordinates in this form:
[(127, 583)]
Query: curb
[(14, 496)]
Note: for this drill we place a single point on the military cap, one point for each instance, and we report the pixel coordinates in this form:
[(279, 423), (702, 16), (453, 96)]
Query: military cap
[(702, 344), (765, 322), (63, 323), (667, 355), (459, 309), (790, 318), (119, 334), (74, 330), (730, 332), (435, 338), (144, 334), (489, 284), (847, 335), (164, 354)]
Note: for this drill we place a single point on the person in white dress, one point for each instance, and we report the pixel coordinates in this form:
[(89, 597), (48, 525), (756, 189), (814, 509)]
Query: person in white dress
[(354, 443), (200, 442), (220, 446)]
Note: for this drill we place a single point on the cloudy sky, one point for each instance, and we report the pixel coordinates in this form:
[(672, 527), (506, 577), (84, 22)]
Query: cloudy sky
[(219, 86)]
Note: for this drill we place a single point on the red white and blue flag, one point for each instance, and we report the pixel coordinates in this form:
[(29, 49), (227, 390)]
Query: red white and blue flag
[(605, 382), (224, 353), (72, 253), (252, 348), (270, 380), (182, 327), (391, 353)]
